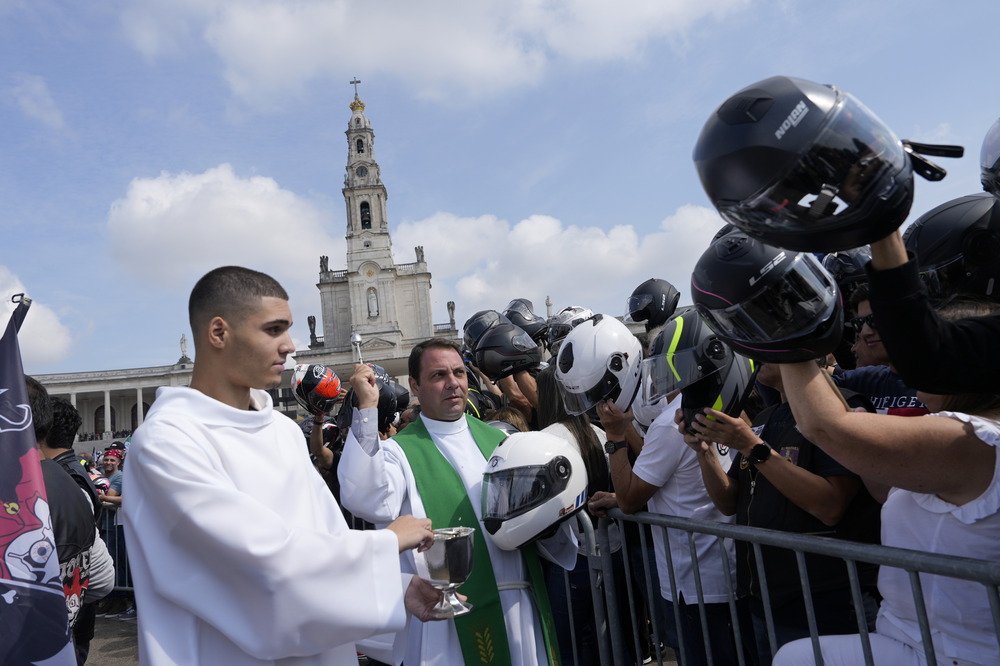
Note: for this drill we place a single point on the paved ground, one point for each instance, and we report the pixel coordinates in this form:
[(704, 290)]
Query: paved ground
[(116, 644)]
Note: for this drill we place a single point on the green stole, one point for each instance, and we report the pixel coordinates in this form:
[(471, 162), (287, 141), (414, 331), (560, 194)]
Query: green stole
[(482, 632)]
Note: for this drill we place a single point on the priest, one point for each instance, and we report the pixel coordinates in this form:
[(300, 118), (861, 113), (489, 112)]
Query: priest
[(435, 469)]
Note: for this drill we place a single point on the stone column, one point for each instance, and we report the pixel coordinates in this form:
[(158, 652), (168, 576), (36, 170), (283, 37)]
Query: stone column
[(72, 399), (107, 411), (138, 406)]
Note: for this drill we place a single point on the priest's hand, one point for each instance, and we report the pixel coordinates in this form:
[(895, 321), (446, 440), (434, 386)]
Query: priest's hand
[(421, 597), (413, 533), (363, 383)]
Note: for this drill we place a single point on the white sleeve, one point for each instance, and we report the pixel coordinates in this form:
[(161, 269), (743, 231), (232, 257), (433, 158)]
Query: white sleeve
[(272, 587), (102, 570), (372, 481)]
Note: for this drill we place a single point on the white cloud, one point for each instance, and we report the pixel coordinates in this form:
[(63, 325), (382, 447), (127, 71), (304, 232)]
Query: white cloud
[(482, 263), (172, 227), (35, 101), (43, 338), (270, 49), (170, 230)]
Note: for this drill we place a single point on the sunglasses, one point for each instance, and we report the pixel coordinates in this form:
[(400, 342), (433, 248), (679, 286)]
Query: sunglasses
[(858, 322)]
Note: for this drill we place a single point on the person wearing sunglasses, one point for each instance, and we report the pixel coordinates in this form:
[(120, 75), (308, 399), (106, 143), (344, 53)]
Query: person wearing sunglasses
[(875, 377)]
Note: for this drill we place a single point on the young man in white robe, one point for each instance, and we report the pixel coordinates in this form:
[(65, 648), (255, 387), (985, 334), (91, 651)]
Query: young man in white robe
[(378, 484), (239, 553)]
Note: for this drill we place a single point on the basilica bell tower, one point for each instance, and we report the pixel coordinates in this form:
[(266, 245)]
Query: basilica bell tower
[(386, 303)]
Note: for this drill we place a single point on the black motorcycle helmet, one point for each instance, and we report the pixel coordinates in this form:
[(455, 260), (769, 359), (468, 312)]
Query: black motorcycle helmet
[(989, 160), (521, 313), (478, 324), (503, 350), (847, 267), (652, 302), (957, 246), (478, 401), (804, 166), (392, 399), (402, 398), (769, 304), (690, 357)]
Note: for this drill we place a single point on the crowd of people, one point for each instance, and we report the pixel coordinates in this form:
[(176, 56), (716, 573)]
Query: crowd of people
[(851, 397)]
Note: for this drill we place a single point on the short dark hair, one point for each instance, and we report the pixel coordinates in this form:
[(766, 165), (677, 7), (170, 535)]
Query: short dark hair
[(65, 422), (417, 353), (230, 292), (41, 408), (859, 294)]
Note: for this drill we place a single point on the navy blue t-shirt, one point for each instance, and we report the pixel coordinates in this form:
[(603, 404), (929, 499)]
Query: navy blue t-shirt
[(885, 389)]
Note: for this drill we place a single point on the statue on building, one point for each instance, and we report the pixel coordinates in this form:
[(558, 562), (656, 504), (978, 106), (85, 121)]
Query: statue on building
[(311, 319), (324, 264), (420, 253), (184, 350), (372, 303), (451, 313)]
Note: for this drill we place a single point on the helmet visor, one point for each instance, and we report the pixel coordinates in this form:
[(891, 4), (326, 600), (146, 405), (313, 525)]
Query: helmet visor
[(578, 402), (787, 305), (989, 159), (558, 330), (676, 370), (945, 281), (990, 153), (521, 307), (855, 158), (511, 492), (635, 309), (522, 342), (481, 323)]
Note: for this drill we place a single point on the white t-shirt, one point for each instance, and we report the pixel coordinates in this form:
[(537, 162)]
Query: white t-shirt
[(671, 465)]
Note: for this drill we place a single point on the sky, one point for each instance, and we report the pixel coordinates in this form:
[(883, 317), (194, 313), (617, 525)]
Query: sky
[(533, 148)]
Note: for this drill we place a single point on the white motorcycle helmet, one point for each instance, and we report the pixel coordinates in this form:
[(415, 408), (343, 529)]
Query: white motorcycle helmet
[(562, 322), (598, 360), (533, 481)]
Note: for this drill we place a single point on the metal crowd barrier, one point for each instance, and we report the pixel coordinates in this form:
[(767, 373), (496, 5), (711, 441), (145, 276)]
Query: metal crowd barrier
[(607, 614), (913, 562), (114, 539)]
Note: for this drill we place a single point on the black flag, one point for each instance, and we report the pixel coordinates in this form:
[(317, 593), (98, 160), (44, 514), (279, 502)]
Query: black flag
[(34, 623)]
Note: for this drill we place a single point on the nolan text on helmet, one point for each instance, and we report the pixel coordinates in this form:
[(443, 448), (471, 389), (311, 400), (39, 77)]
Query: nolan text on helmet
[(793, 119)]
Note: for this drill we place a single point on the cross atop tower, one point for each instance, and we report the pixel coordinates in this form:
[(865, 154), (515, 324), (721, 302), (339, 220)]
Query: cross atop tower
[(355, 83)]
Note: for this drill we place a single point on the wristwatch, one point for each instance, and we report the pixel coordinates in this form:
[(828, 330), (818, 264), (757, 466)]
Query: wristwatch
[(611, 446), (760, 453)]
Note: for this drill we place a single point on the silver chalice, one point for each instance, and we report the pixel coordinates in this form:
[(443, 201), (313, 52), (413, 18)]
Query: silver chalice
[(449, 563)]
